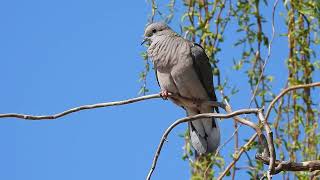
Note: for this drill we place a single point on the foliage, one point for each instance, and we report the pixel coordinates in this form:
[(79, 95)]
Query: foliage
[(296, 117)]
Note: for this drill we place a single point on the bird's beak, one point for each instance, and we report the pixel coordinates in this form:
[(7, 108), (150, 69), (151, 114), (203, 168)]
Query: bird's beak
[(145, 40)]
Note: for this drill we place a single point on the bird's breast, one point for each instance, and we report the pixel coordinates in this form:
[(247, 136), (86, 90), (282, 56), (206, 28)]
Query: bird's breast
[(165, 52)]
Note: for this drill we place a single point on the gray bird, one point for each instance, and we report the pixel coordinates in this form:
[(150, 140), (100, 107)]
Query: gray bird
[(182, 67)]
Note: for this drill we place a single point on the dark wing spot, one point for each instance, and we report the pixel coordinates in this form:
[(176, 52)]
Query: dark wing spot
[(192, 127), (214, 125)]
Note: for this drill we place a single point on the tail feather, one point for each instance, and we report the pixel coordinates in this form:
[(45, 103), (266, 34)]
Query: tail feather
[(204, 134), (197, 141)]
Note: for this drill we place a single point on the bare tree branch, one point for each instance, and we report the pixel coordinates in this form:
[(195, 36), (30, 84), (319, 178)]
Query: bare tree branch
[(283, 166), (80, 108), (271, 150), (246, 122), (291, 166), (107, 104), (272, 158), (268, 157), (189, 119)]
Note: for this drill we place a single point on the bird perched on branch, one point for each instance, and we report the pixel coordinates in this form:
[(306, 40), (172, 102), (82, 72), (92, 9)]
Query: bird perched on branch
[(182, 67)]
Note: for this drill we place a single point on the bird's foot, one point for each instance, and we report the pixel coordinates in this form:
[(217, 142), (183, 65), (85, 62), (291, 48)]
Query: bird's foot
[(164, 94)]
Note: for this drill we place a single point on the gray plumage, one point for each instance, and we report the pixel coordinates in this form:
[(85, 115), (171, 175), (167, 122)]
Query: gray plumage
[(182, 67)]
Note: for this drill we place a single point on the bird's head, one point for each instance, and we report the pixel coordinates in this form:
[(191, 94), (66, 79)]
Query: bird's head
[(154, 30)]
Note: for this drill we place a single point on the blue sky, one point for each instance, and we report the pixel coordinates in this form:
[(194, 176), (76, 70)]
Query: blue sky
[(59, 54)]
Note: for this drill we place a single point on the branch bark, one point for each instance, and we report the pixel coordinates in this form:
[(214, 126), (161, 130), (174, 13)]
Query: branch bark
[(291, 166)]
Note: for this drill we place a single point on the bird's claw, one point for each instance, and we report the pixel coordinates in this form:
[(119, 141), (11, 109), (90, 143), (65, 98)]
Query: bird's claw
[(164, 94)]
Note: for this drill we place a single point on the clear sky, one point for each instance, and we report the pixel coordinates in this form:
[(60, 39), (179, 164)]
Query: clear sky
[(60, 54)]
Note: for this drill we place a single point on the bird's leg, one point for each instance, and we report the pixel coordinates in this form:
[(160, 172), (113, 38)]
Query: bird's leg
[(164, 94)]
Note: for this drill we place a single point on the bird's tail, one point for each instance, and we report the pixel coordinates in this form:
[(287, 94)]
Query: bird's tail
[(204, 134)]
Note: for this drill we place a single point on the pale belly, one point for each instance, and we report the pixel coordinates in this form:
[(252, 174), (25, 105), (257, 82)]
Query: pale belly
[(183, 85), (166, 82)]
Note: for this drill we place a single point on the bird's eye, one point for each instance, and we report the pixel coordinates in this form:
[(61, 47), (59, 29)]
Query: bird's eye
[(154, 30)]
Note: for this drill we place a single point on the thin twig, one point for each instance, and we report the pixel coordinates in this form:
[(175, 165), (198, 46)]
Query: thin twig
[(268, 56), (237, 156), (226, 142), (80, 108), (247, 167), (285, 91)]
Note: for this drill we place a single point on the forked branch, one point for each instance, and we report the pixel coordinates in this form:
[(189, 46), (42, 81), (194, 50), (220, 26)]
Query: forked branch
[(268, 157)]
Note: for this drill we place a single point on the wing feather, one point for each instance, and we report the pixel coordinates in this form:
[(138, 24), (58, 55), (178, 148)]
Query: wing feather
[(203, 69)]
